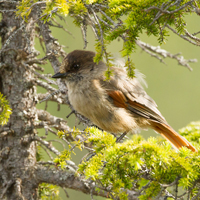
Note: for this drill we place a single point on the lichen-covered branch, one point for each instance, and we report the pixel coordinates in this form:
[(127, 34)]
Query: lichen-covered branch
[(69, 180), (157, 52)]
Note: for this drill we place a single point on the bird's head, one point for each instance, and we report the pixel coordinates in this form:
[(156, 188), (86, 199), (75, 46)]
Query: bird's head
[(77, 64)]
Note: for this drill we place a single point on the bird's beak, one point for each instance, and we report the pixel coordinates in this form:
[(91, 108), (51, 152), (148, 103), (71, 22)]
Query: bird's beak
[(59, 75)]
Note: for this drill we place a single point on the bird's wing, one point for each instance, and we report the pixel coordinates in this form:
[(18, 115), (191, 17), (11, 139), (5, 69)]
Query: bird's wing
[(128, 93)]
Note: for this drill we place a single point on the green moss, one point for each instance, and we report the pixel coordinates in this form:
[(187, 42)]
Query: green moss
[(48, 192), (5, 110)]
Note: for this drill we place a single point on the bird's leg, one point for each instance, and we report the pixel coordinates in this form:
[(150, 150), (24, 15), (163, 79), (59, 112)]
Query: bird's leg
[(121, 137)]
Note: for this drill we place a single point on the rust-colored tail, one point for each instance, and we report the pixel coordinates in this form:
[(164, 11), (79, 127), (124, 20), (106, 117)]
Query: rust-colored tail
[(172, 136)]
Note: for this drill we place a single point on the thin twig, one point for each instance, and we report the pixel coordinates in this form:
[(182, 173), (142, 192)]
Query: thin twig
[(47, 145), (192, 36), (46, 163), (60, 26), (58, 142), (196, 33), (66, 193), (6, 1), (47, 152), (182, 36), (84, 34), (45, 85), (144, 187), (167, 11), (143, 47), (168, 194), (49, 81), (6, 11), (108, 18), (94, 27), (171, 184), (49, 96)]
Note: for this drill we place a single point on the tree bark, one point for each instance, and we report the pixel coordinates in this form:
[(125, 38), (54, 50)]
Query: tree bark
[(17, 157)]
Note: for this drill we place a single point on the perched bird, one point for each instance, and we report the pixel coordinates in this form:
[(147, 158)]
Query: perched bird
[(119, 105)]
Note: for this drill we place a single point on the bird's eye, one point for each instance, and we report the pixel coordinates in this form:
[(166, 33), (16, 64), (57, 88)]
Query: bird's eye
[(76, 66)]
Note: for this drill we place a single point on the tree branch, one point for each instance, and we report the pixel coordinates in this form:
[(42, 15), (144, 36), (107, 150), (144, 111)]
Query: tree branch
[(155, 51), (50, 119), (167, 11), (182, 36), (68, 179)]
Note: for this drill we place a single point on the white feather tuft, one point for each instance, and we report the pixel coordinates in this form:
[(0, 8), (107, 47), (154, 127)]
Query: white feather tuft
[(141, 78)]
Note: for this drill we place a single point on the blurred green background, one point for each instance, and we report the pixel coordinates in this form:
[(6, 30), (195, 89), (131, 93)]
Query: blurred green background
[(175, 89)]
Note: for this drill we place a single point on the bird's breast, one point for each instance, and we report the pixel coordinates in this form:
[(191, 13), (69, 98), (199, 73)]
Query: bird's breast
[(91, 100)]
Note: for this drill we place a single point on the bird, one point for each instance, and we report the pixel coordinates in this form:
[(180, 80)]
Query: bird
[(119, 105)]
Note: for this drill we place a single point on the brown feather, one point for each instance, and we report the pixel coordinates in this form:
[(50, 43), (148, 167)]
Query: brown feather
[(172, 136), (119, 100), (160, 126)]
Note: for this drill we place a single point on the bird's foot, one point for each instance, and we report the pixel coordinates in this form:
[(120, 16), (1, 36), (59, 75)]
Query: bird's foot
[(121, 137)]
